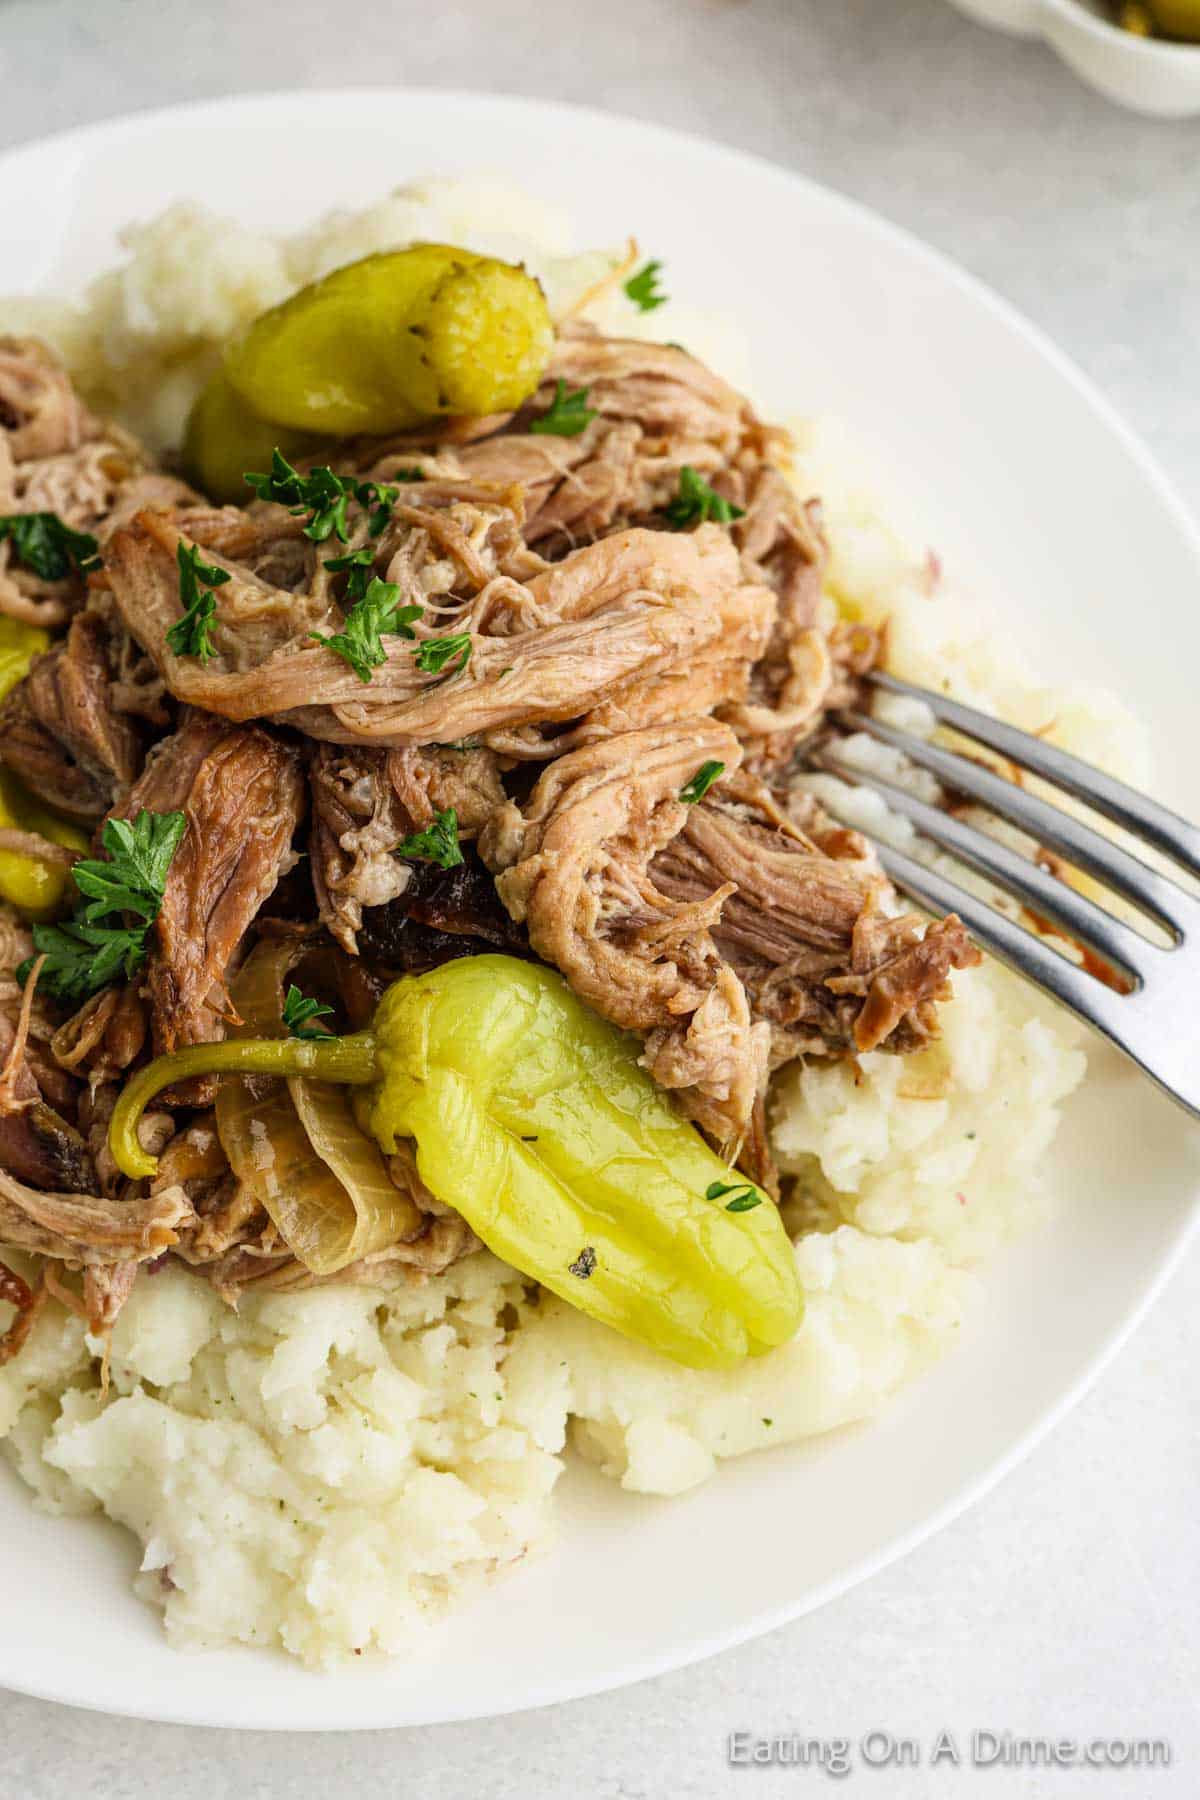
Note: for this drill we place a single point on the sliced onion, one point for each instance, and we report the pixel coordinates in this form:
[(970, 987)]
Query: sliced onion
[(297, 1146), (383, 1215)]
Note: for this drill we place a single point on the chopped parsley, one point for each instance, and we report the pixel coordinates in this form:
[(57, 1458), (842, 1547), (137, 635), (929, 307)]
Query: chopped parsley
[(584, 1263), (701, 781), (696, 501), (745, 1195), (567, 415), (360, 643), (358, 566), (435, 653), (134, 878), (438, 843), (379, 501), (84, 954), (325, 495), (642, 288), (297, 1011), (47, 547), (191, 635)]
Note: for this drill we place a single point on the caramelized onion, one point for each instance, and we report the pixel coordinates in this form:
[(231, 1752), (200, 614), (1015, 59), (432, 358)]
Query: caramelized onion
[(296, 1144)]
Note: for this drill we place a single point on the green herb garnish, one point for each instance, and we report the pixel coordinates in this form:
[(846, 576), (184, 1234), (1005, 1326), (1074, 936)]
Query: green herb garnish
[(297, 1011), (134, 878), (379, 500), (360, 642), (359, 566), (642, 288), (696, 501), (325, 495), (701, 781), (745, 1195), (567, 414), (84, 955), (438, 843), (192, 634), (47, 547), (435, 653)]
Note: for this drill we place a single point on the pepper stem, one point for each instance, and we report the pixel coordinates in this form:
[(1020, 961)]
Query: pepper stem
[(344, 1059)]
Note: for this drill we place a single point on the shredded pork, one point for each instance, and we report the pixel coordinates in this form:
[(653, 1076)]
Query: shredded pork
[(611, 653)]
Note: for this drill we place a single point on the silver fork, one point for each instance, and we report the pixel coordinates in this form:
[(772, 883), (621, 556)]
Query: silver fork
[(1157, 1021)]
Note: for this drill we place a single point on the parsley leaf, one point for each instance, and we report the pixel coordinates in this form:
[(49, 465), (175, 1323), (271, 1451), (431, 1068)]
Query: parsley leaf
[(642, 288), (701, 781), (326, 496), (134, 878), (438, 843), (282, 483), (567, 414), (435, 653), (84, 955), (297, 1011), (378, 499), (360, 643), (696, 501), (192, 634), (745, 1195), (359, 566), (82, 959), (47, 547)]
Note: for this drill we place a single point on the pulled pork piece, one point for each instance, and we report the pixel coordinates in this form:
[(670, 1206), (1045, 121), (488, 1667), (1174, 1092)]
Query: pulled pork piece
[(106, 1288), (55, 456), (37, 1145), (573, 866), (60, 732), (28, 1303), (782, 541), (86, 1229), (428, 782), (357, 823), (103, 1037), (901, 984), (823, 965), (40, 413), (242, 792), (614, 614), (366, 802)]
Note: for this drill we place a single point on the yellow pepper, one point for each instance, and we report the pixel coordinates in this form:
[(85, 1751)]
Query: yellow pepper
[(225, 438), (533, 1118), (34, 887), (19, 644), (394, 339)]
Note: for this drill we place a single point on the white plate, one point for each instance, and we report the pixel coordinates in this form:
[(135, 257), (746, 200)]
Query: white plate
[(1074, 542)]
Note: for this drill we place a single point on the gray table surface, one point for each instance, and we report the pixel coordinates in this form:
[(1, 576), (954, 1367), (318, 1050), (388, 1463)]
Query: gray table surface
[(1065, 1603)]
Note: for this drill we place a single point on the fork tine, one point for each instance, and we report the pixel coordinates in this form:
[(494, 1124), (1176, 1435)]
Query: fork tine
[(1115, 941), (1030, 956), (1174, 836), (1079, 843)]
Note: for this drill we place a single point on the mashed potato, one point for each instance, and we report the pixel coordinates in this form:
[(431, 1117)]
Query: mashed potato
[(330, 1471)]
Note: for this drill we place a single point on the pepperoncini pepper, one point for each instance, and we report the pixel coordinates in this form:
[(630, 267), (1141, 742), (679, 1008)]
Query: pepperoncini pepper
[(532, 1117), (34, 887), (394, 339), (19, 644)]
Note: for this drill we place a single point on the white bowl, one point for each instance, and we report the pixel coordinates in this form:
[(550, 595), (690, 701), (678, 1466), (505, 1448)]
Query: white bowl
[(1073, 542), (1148, 75)]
